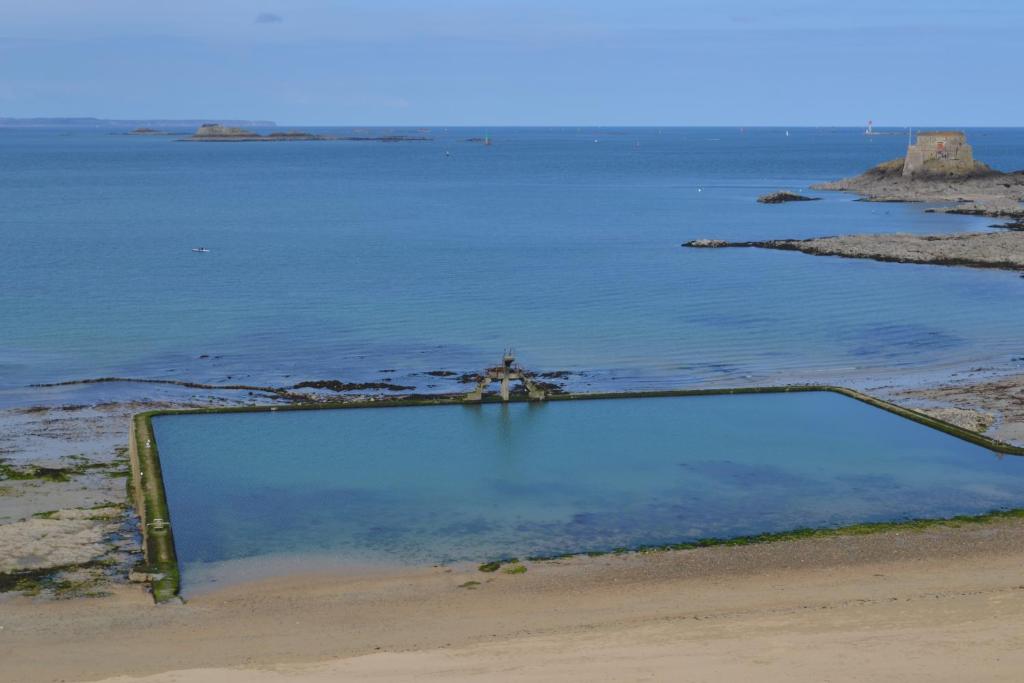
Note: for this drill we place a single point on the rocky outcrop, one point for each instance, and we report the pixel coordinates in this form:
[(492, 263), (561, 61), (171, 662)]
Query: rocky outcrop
[(783, 197), (976, 189), (964, 418), (888, 176), (993, 209), (337, 385), (1002, 398), (715, 244), (60, 539), (215, 132), (1004, 250), (147, 131)]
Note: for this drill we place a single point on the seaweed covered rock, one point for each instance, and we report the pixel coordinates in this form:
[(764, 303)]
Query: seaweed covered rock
[(783, 197), (339, 386)]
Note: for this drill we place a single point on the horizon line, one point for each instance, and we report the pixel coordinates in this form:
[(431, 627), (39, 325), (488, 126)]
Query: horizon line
[(5, 122)]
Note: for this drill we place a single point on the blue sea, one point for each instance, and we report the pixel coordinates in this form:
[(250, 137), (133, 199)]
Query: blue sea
[(257, 494), (368, 260)]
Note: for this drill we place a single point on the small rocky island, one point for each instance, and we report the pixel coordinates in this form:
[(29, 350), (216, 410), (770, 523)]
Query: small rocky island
[(783, 197), (148, 131), (939, 167), (215, 132)]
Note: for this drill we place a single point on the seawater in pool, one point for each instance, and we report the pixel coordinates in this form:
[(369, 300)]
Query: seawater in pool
[(435, 484)]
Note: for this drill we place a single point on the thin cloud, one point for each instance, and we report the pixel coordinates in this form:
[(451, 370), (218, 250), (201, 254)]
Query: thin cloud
[(268, 18)]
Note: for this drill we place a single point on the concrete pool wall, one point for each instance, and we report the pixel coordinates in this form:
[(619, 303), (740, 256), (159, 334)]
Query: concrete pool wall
[(150, 497)]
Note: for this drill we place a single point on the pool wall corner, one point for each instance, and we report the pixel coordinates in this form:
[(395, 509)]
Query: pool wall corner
[(961, 433)]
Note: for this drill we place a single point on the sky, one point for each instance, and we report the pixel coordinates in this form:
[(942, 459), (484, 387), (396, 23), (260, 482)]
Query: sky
[(517, 62)]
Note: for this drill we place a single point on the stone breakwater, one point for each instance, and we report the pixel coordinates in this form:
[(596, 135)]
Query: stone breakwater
[(1003, 250)]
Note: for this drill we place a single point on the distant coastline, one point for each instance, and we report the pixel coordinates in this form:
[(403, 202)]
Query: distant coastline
[(93, 122)]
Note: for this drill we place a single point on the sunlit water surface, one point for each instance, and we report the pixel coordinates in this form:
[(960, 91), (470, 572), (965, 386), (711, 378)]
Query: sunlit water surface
[(368, 260)]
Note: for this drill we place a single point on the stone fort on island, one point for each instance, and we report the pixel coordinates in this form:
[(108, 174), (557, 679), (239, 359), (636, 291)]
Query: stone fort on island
[(939, 153)]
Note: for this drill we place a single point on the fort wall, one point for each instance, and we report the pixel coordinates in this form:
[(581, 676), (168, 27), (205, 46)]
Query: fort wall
[(938, 152)]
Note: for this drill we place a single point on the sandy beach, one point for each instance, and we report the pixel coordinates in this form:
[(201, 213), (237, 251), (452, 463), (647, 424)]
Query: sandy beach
[(938, 604)]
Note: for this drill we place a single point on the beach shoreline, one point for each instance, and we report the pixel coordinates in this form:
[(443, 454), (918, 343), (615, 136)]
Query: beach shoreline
[(658, 610), (723, 607)]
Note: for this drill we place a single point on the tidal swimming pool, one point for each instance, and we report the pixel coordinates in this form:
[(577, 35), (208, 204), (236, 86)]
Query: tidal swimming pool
[(252, 494)]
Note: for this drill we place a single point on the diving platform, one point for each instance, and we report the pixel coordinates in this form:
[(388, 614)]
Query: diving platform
[(509, 371)]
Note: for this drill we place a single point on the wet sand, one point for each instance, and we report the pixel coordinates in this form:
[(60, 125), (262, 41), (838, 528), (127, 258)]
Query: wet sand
[(939, 604)]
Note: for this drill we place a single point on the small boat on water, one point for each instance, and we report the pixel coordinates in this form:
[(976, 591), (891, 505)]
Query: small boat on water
[(201, 250)]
